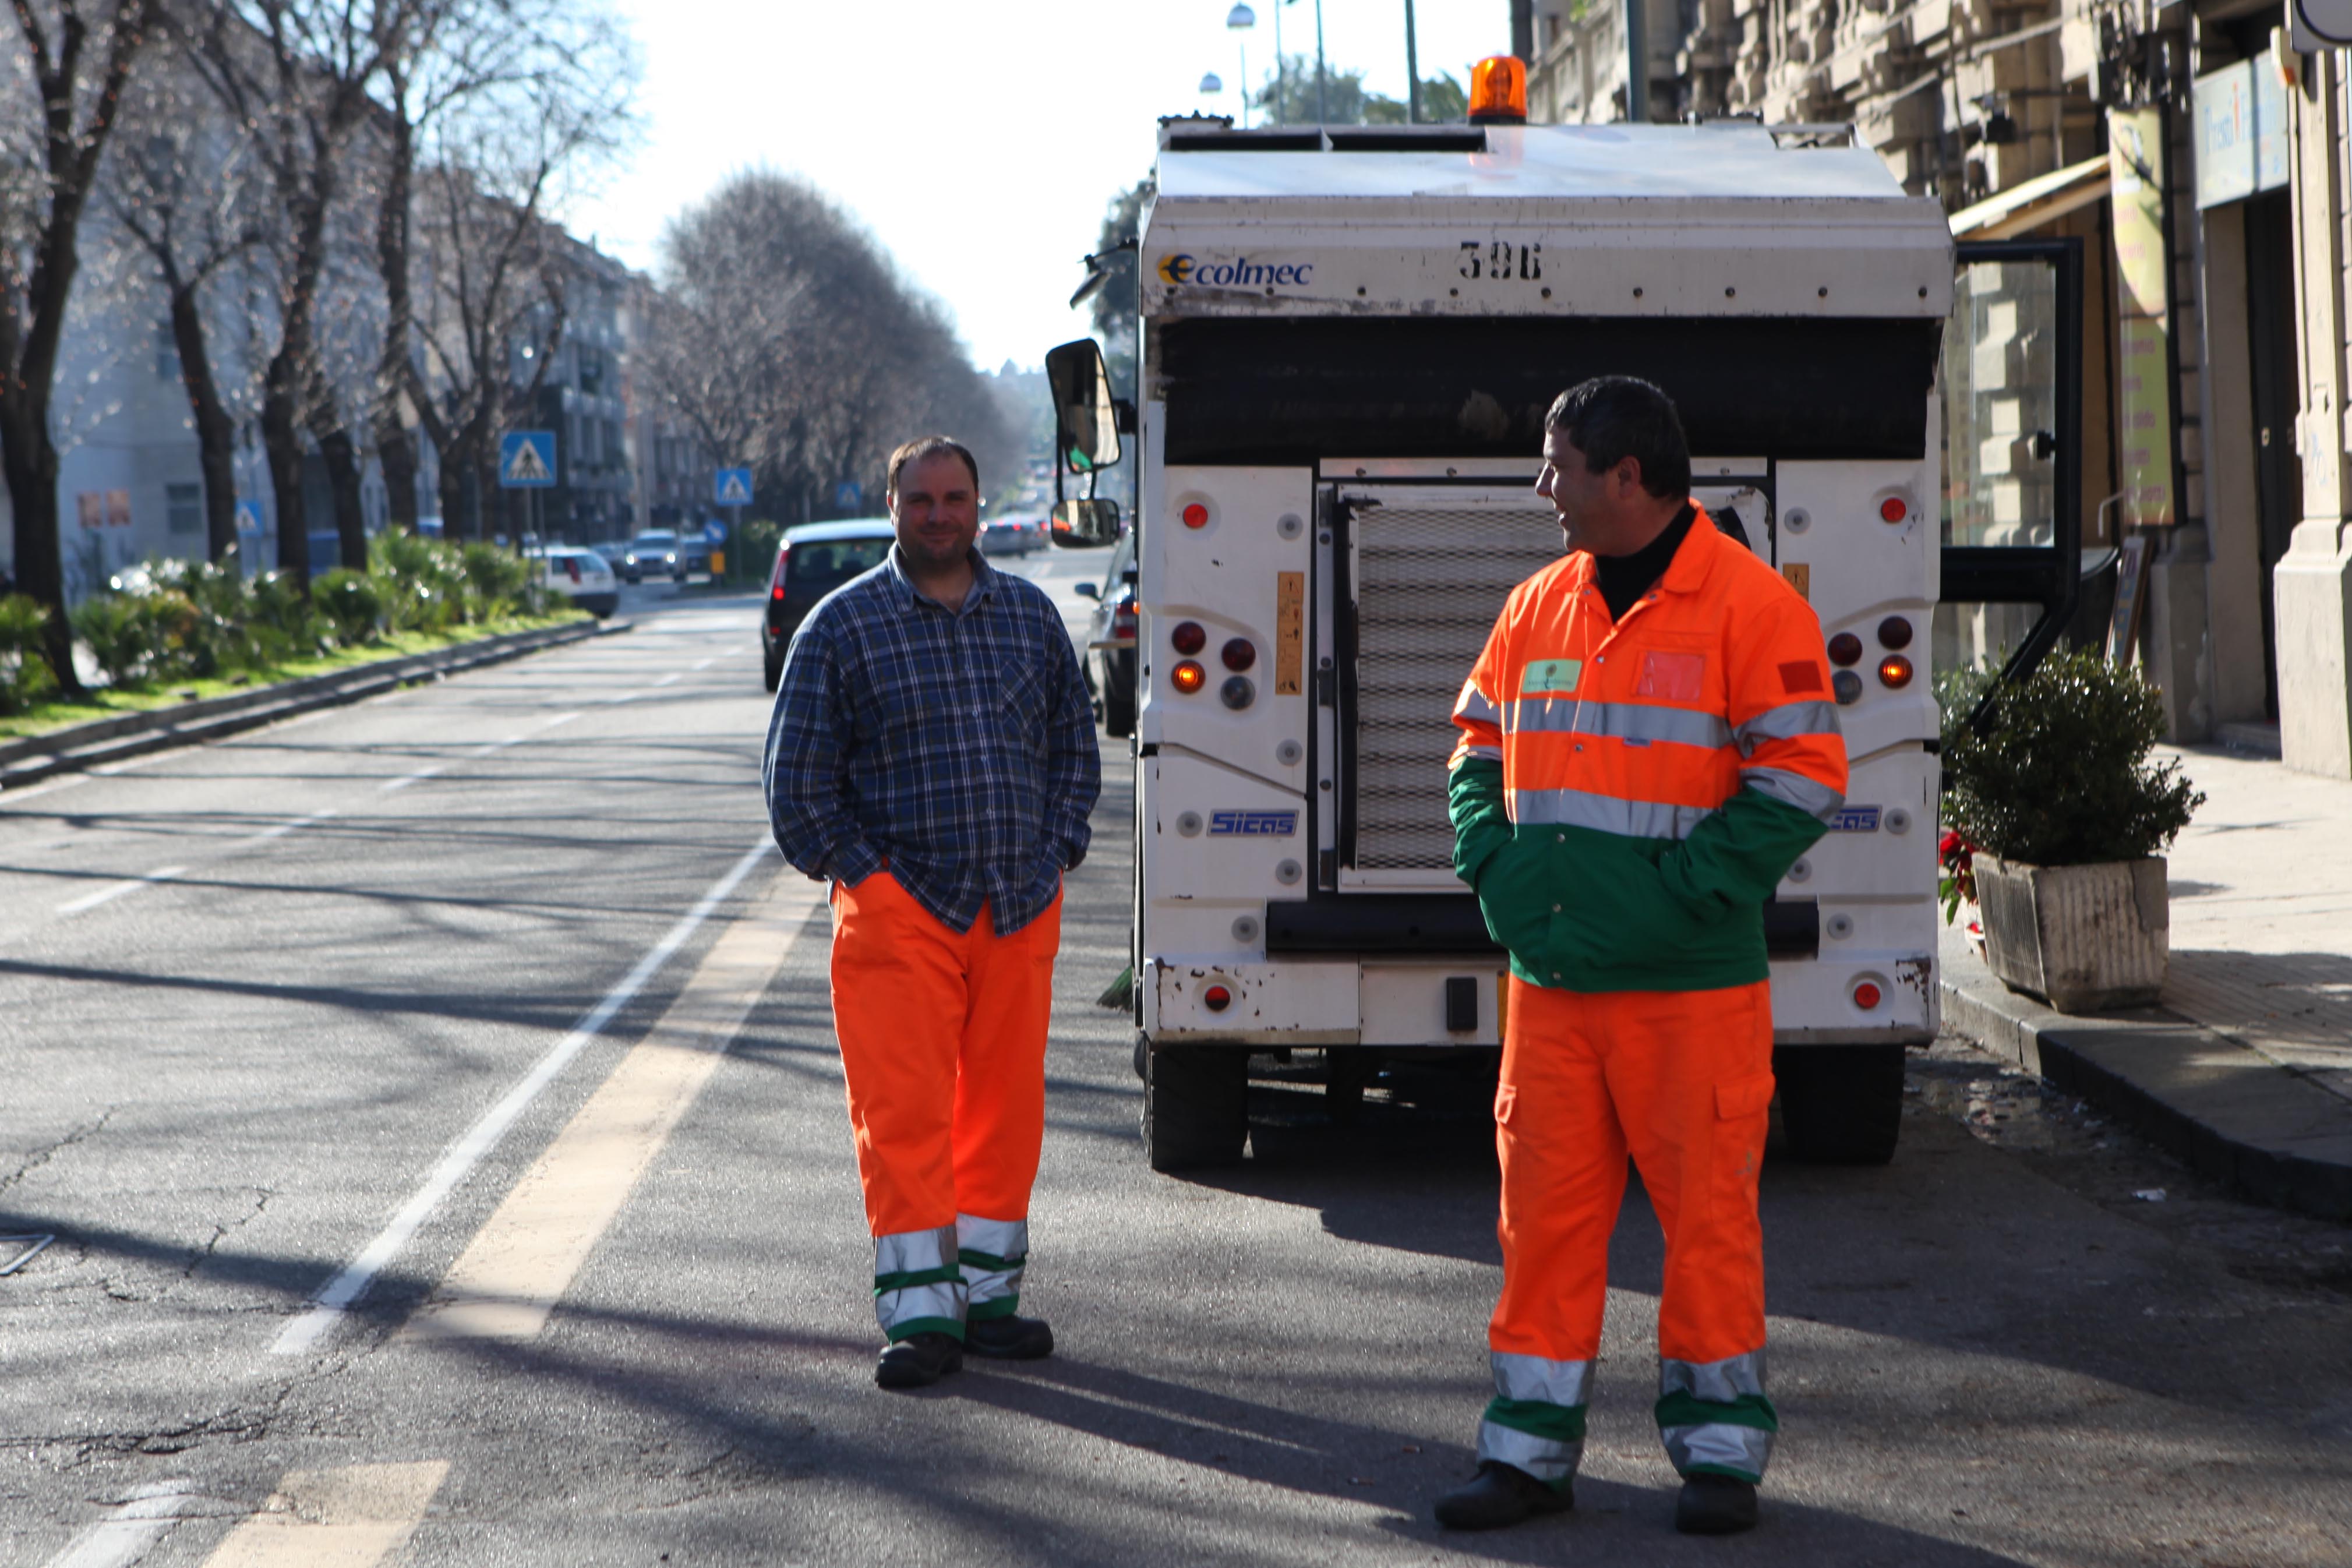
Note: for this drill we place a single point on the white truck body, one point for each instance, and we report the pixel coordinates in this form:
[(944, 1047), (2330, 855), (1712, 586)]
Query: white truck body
[(1347, 349)]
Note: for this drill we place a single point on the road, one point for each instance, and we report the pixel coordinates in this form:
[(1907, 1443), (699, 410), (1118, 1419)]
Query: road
[(479, 1012)]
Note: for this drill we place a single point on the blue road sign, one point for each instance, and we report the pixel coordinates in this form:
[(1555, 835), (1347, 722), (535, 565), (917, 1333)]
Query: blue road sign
[(248, 517), (733, 487), (714, 531), (527, 460), (849, 495)]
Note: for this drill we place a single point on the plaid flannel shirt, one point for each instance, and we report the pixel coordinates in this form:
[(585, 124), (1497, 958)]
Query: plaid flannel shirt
[(958, 746)]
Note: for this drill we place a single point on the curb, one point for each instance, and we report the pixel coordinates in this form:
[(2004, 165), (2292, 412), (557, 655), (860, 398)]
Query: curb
[(2231, 1112), (103, 741)]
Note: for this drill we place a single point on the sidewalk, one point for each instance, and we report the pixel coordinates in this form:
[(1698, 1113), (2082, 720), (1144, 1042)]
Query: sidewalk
[(2246, 1069)]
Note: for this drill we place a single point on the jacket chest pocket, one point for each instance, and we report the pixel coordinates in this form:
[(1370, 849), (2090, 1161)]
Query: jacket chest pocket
[(1672, 667)]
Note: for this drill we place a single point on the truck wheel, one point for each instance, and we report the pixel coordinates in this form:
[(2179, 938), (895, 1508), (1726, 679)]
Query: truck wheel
[(1195, 1106), (1840, 1105), (1117, 710)]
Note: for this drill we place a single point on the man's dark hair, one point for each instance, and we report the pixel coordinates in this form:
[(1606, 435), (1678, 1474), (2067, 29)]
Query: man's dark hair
[(923, 446), (1612, 417)]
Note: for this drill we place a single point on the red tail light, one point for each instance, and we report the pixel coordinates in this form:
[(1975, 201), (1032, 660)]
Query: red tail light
[(776, 582), (1123, 624)]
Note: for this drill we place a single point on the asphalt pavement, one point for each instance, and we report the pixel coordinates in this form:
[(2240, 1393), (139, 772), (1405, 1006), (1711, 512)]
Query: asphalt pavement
[(434, 1106)]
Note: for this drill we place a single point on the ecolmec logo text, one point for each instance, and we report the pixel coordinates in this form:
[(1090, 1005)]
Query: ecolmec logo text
[(1240, 272)]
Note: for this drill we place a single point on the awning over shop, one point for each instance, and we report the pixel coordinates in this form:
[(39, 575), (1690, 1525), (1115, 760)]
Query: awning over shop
[(2042, 199)]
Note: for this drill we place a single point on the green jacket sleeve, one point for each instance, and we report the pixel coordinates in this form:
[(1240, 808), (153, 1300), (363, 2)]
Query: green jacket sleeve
[(1482, 827), (1735, 858)]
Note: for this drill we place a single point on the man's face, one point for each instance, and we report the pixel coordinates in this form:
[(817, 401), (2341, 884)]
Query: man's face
[(936, 511), (1594, 509)]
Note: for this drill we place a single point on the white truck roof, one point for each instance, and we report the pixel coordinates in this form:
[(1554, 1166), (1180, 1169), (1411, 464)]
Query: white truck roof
[(1726, 219)]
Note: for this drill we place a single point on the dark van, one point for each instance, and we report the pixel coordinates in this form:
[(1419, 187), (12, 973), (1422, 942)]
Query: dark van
[(812, 561)]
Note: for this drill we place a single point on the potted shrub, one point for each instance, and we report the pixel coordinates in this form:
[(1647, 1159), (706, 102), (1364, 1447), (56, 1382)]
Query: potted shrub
[(2063, 819)]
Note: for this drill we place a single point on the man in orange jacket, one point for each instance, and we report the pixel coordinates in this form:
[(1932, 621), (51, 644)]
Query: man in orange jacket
[(1648, 744)]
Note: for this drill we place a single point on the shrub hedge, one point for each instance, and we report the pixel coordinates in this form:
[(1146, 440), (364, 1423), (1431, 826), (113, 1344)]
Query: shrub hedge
[(178, 620)]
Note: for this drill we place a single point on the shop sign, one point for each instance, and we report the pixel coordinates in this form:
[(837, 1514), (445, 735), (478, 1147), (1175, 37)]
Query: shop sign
[(2136, 156), (2242, 142)]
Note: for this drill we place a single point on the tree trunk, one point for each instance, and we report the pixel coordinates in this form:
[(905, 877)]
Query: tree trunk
[(215, 431), (341, 455), (395, 447), (281, 443), (30, 459)]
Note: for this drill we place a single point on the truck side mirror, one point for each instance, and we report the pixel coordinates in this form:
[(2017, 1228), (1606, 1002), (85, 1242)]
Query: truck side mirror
[(1083, 524), (1086, 417)]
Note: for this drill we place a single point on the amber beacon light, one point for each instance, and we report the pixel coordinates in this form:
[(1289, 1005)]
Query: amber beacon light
[(1498, 91)]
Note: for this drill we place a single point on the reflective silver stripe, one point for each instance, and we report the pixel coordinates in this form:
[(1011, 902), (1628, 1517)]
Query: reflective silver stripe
[(1717, 1381), (1006, 1239), (1794, 789), (1621, 721), (1787, 722), (1542, 1457), (943, 1299), (1746, 1449), (1606, 814), (1473, 704), (1484, 754), (913, 1251), (1532, 1378)]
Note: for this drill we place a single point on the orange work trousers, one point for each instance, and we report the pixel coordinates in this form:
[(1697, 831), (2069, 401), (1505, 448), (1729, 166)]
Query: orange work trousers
[(1683, 1082), (943, 1047)]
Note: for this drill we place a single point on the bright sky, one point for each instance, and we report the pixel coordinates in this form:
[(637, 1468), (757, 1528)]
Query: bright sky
[(979, 140)]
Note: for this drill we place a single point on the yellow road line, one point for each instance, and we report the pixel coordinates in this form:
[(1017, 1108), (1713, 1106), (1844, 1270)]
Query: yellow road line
[(527, 1253), (354, 1516)]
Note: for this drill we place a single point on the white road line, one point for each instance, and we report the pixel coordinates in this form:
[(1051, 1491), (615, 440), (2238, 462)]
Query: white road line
[(701, 665), (669, 679), (283, 828), (138, 1522), (417, 777), (505, 1284), (329, 1306), (27, 792), (352, 1517), (91, 900)]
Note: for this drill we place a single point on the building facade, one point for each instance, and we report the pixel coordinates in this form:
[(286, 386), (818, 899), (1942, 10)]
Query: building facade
[(2200, 157)]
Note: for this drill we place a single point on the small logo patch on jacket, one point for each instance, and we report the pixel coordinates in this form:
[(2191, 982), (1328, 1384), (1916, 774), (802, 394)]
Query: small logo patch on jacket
[(1801, 676), (1550, 677), (1253, 824)]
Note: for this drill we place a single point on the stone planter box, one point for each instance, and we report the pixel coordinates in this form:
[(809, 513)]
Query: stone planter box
[(2081, 938)]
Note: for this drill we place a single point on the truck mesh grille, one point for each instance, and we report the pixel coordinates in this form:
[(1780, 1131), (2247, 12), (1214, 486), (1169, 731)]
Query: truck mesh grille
[(1429, 585)]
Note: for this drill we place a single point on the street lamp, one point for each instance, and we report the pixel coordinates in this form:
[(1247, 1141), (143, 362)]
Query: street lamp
[(1210, 84), (1240, 20)]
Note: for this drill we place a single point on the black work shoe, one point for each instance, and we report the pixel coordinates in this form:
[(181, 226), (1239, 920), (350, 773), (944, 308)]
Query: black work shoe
[(1009, 1338), (1715, 1505), (1503, 1494), (919, 1361)]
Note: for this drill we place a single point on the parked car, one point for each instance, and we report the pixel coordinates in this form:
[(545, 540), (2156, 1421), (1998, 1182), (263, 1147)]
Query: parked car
[(616, 556), (1109, 658), (582, 577), (812, 561), (1014, 534)]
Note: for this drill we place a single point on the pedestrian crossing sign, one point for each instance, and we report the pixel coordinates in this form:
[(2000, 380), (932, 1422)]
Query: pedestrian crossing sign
[(734, 486), (527, 460)]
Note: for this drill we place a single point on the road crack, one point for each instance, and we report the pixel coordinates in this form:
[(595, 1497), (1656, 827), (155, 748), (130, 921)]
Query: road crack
[(43, 1156)]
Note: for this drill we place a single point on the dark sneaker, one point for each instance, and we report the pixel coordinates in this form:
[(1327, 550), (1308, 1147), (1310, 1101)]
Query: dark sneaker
[(1503, 1494), (1009, 1338), (919, 1361), (1715, 1505)]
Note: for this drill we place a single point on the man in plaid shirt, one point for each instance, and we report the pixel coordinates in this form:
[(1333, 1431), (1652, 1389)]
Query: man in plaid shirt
[(932, 756)]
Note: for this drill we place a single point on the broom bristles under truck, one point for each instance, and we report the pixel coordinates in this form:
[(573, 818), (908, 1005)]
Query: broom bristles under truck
[(1349, 336)]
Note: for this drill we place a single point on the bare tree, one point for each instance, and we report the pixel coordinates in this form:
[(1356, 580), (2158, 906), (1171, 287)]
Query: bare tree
[(788, 342), (69, 83), (185, 185), (296, 74), (520, 94)]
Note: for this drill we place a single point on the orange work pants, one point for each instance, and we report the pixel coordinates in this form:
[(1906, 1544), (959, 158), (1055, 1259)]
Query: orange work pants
[(1682, 1080), (943, 1047)]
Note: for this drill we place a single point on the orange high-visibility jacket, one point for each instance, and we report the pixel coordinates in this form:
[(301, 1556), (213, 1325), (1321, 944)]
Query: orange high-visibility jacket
[(1626, 794)]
